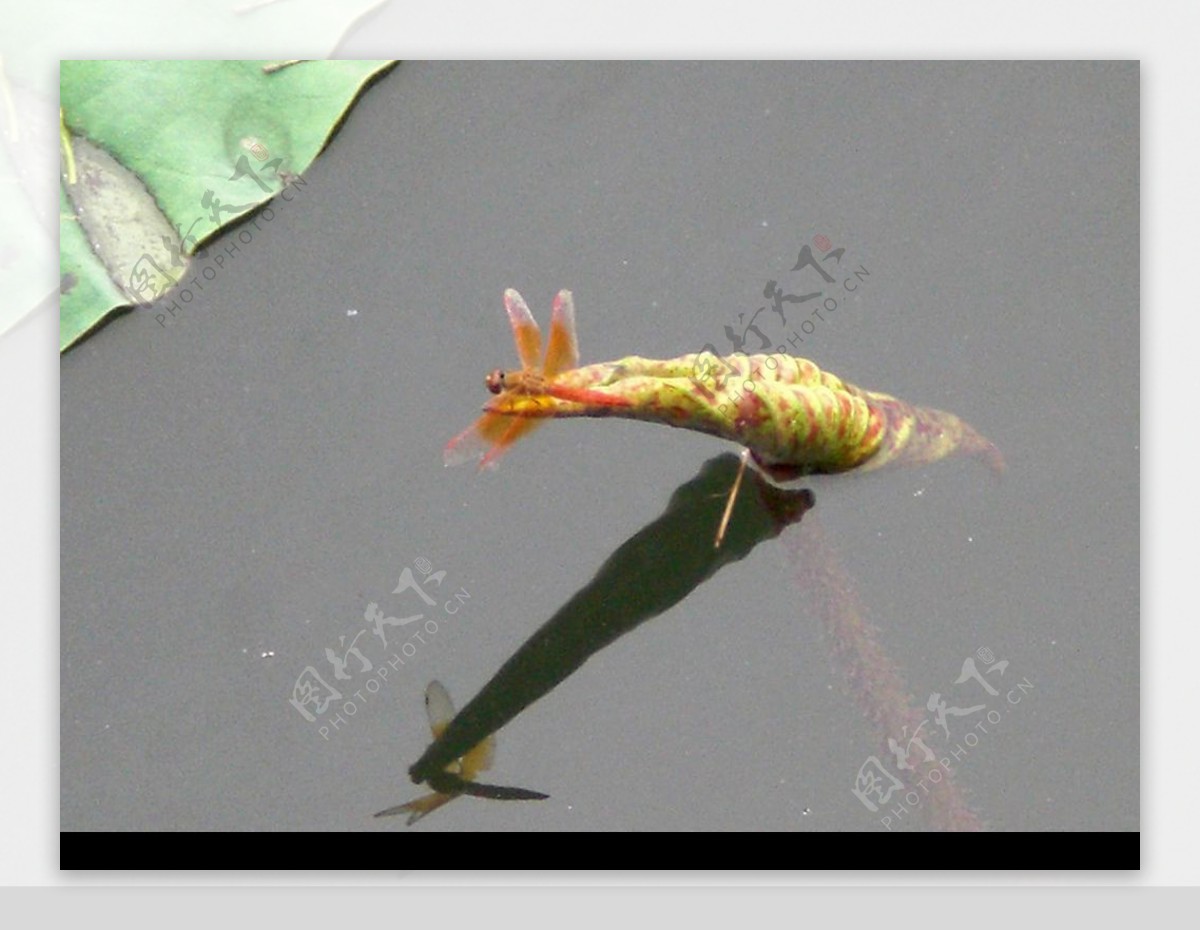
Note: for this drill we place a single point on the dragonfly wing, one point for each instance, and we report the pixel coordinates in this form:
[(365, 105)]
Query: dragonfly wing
[(525, 329), (426, 804), (474, 442), (518, 427), (440, 710), (438, 707), (487, 439), (480, 758), (562, 349)]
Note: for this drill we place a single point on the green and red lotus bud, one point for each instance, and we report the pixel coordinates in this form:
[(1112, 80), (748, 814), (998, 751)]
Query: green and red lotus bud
[(794, 418)]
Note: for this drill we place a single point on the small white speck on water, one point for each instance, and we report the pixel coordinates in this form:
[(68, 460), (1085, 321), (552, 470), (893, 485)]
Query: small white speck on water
[(269, 654), (970, 539), (351, 312), (765, 224), (918, 493), (654, 304)]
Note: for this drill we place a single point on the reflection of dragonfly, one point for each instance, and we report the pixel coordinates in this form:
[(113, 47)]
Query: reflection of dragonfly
[(459, 776), (651, 572)]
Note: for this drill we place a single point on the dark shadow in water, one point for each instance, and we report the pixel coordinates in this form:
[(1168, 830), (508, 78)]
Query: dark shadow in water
[(650, 573)]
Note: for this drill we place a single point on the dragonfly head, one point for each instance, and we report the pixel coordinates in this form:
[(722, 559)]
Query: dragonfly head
[(495, 381)]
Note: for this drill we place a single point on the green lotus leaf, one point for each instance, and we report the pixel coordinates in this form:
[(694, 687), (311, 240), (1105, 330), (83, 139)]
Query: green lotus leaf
[(160, 156)]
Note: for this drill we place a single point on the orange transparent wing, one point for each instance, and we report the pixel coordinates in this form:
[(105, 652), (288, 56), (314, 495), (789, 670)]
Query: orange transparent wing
[(525, 329), (476, 440), (487, 439), (562, 350), (519, 427), (490, 436)]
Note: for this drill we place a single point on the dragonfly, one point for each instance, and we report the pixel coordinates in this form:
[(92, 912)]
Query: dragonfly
[(791, 418), (458, 778), (496, 431)]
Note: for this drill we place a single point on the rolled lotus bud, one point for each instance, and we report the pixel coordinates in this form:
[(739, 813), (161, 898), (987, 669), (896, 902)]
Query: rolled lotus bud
[(795, 418), (920, 435)]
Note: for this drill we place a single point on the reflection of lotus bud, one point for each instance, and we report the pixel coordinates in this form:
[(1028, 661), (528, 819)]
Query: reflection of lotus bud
[(424, 566), (986, 655)]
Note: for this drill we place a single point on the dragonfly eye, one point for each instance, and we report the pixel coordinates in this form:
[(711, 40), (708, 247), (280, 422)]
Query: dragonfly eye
[(495, 381)]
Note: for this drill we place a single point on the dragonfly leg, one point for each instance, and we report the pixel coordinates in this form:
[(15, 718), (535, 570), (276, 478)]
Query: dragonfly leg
[(733, 493)]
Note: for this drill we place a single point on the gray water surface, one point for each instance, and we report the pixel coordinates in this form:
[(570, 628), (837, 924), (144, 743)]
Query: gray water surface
[(240, 484)]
